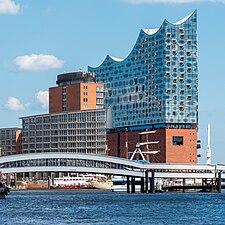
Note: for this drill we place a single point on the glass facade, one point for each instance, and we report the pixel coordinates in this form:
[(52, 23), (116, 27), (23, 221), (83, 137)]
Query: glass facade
[(158, 82), (81, 132)]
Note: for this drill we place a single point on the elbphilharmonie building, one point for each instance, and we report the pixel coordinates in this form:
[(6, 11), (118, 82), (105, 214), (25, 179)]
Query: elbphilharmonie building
[(155, 88)]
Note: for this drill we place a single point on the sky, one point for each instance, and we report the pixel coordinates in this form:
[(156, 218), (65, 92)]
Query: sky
[(41, 39)]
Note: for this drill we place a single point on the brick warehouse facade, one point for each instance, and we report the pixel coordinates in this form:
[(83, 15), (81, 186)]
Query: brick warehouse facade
[(169, 150)]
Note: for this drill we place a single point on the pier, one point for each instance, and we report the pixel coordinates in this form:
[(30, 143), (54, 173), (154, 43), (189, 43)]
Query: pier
[(211, 175)]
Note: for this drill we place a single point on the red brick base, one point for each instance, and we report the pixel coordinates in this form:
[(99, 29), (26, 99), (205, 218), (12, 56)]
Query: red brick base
[(168, 152)]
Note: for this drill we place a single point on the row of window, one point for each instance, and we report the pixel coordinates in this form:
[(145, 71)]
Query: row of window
[(76, 117)]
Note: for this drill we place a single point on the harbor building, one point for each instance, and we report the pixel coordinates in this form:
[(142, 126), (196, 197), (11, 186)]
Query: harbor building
[(155, 88), (76, 121), (76, 91), (10, 141), (79, 132)]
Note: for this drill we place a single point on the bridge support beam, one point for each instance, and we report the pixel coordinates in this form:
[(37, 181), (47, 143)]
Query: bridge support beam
[(128, 184), (24, 176), (31, 175), (61, 174), (142, 185), (219, 182), (52, 178), (146, 181), (49, 182), (152, 182), (38, 175), (132, 184), (184, 184), (8, 179), (15, 179)]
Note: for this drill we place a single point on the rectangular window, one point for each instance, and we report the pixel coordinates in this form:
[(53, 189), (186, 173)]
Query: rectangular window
[(178, 140), (99, 95), (99, 88)]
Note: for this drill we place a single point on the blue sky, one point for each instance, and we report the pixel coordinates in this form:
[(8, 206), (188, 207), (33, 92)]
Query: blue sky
[(40, 39)]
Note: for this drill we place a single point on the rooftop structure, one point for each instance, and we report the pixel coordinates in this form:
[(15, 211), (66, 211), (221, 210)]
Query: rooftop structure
[(74, 78), (76, 91)]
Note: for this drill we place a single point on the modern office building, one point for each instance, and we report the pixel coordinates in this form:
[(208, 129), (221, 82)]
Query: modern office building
[(76, 91), (155, 88), (80, 132), (10, 141), (76, 121)]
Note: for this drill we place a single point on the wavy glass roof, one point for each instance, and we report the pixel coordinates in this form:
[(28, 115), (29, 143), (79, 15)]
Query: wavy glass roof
[(154, 31), (157, 83)]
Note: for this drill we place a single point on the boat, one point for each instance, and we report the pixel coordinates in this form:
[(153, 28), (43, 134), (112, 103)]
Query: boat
[(104, 184), (71, 183), (36, 184), (3, 190), (101, 181)]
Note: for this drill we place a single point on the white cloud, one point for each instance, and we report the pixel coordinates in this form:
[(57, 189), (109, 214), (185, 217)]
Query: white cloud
[(14, 104), (9, 7), (42, 97), (36, 62), (171, 1)]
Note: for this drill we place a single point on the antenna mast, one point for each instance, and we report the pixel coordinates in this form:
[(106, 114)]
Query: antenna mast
[(208, 151)]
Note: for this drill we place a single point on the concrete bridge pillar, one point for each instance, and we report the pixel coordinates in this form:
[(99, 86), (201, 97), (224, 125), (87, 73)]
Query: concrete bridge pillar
[(8, 179), (61, 174), (128, 184), (31, 175), (38, 175), (53, 175), (24, 176), (184, 184), (142, 185), (152, 182), (146, 181), (15, 179), (45, 175), (132, 184), (219, 182)]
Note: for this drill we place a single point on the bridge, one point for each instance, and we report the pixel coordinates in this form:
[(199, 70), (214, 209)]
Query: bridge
[(101, 164)]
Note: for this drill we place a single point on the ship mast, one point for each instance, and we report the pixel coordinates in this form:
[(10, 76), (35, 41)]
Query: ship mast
[(208, 151), (139, 144)]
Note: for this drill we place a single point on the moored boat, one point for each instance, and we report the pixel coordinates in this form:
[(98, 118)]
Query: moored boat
[(102, 184), (70, 183), (3, 190)]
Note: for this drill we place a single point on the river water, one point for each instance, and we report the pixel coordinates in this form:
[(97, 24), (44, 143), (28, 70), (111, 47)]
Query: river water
[(104, 207)]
